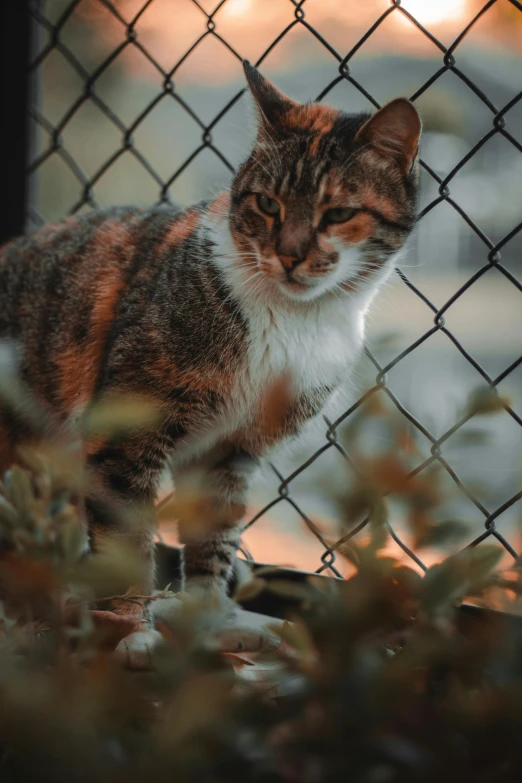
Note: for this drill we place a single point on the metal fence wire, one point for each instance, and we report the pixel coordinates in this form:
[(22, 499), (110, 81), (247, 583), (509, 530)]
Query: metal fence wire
[(492, 252)]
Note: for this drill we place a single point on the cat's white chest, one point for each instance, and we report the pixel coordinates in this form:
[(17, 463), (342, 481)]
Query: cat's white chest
[(313, 348)]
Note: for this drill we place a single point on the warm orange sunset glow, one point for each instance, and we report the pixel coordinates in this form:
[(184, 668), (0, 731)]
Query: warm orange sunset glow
[(436, 12), (268, 542), (168, 29)]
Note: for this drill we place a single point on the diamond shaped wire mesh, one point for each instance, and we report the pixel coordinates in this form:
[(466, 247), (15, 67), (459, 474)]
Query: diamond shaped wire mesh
[(492, 251)]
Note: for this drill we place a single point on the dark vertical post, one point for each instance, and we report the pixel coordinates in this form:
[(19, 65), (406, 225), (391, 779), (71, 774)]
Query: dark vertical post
[(15, 50)]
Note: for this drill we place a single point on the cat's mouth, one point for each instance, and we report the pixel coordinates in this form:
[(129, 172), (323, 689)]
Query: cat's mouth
[(296, 285), (310, 289), (301, 289)]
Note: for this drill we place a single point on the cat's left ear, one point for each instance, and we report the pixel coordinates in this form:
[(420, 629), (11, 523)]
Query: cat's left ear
[(394, 132), (271, 104)]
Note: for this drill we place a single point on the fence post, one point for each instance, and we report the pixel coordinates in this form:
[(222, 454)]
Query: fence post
[(16, 40)]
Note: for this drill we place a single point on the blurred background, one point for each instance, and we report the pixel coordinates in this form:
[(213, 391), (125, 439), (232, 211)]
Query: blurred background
[(123, 104)]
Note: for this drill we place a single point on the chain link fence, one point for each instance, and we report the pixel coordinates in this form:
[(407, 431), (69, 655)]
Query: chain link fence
[(491, 252)]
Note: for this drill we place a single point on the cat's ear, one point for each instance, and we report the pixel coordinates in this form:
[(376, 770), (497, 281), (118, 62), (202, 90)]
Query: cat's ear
[(394, 132), (271, 104)]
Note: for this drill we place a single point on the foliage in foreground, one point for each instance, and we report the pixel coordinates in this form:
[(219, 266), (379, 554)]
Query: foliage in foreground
[(378, 678)]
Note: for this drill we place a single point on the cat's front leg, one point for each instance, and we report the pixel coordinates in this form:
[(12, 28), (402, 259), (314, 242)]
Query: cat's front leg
[(121, 510), (121, 507), (213, 492)]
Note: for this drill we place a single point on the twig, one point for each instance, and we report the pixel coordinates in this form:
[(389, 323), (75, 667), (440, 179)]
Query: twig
[(131, 598)]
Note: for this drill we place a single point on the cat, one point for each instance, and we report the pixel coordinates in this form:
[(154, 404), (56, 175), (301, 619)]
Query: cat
[(203, 309)]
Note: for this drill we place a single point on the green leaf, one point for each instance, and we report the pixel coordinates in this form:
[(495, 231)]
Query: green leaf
[(323, 584), (268, 569), (121, 415), (449, 581), (484, 401), (446, 582), (20, 488), (249, 590), (8, 514), (443, 533), (287, 589), (484, 559), (351, 552), (110, 570), (295, 635), (72, 538)]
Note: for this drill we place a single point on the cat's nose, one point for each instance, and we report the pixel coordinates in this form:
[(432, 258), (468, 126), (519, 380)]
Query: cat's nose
[(289, 263)]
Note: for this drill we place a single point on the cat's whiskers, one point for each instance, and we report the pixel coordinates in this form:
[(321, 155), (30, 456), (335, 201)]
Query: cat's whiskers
[(242, 256), (271, 146), (226, 284), (410, 266), (221, 303), (219, 214), (245, 263), (359, 283), (254, 292), (257, 162), (233, 290), (242, 284), (256, 279)]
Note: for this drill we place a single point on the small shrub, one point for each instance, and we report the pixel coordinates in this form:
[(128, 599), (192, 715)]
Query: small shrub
[(381, 677)]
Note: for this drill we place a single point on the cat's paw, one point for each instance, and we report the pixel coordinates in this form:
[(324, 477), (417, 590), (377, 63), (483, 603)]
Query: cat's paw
[(244, 631), (136, 650), (223, 626)]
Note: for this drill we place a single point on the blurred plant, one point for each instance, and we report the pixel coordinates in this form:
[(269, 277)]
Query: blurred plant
[(377, 678)]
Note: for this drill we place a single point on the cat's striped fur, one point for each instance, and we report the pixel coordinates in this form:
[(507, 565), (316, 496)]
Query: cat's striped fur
[(203, 309)]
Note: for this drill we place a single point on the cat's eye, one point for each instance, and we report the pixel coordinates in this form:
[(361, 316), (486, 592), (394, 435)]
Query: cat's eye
[(268, 205), (338, 215)]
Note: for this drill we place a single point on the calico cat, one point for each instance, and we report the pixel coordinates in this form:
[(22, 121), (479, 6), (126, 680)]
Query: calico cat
[(203, 309)]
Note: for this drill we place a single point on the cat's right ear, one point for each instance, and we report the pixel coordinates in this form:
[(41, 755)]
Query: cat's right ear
[(270, 103), (393, 132)]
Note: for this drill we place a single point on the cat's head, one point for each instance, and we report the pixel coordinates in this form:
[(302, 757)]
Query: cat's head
[(326, 199)]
